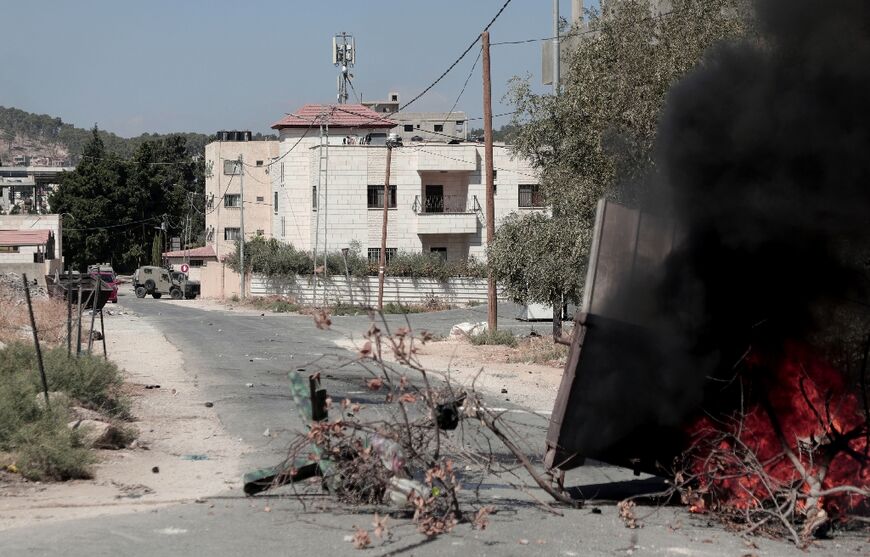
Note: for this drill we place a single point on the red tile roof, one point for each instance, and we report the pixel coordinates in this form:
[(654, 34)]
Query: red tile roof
[(205, 251), (24, 237), (336, 115)]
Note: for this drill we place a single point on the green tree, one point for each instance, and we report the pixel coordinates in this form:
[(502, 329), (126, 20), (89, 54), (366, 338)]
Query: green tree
[(93, 195), (597, 138), (156, 251)]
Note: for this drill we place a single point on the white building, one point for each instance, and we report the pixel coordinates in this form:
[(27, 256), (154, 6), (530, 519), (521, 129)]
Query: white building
[(328, 179), (223, 201)]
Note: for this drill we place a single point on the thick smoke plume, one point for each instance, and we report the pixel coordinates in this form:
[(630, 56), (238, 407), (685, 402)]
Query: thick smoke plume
[(765, 155)]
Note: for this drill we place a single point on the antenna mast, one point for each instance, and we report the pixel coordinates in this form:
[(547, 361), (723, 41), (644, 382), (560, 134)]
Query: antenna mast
[(344, 56)]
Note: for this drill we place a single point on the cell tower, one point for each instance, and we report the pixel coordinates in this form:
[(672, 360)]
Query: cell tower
[(344, 55)]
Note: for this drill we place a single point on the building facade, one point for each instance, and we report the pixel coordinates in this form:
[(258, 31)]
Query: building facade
[(25, 189), (328, 182), (223, 182), (440, 127)]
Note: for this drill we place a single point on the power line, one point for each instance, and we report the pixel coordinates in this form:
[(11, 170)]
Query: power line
[(453, 65), (467, 79), (110, 225)]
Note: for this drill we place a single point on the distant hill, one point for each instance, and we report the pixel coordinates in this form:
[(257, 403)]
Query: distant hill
[(48, 140)]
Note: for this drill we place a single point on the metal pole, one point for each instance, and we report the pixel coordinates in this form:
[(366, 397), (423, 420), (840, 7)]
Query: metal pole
[(36, 340), (556, 53), (242, 229), (68, 311), (79, 320), (103, 333), (492, 301), (382, 257)]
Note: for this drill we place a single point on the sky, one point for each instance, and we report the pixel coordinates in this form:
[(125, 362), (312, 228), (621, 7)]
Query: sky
[(205, 65)]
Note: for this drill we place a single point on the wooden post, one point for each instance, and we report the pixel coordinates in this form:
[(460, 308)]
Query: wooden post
[(95, 299), (36, 341), (79, 320), (103, 333), (68, 312), (382, 258), (492, 300)]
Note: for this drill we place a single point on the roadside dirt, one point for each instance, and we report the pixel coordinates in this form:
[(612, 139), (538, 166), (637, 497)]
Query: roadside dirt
[(487, 369), (180, 438)]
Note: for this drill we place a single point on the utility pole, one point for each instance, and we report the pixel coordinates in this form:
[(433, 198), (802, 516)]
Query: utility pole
[(382, 257), (556, 53), (492, 300), (241, 164)]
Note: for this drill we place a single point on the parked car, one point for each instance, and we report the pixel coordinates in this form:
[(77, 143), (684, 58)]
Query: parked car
[(104, 272), (158, 281)]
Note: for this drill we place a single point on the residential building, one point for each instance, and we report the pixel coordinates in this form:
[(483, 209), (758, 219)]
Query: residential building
[(223, 200), (194, 258), (440, 127), (328, 182), (25, 189), (31, 244)]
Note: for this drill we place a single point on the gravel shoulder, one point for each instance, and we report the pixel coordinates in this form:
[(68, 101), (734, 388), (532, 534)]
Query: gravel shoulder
[(178, 436)]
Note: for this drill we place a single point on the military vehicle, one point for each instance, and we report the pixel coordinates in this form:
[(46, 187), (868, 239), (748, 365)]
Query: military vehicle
[(158, 281)]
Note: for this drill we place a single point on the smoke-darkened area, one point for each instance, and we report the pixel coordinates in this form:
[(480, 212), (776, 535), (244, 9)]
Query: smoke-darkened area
[(765, 159)]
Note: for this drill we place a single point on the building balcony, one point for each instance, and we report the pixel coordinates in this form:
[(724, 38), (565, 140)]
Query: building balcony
[(444, 214), (447, 158)]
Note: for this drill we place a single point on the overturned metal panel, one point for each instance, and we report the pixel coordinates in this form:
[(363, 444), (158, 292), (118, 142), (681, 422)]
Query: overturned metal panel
[(605, 408)]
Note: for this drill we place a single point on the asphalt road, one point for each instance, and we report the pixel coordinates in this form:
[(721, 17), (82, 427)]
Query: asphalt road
[(224, 351)]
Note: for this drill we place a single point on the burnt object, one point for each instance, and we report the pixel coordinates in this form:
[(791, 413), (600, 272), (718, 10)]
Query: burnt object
[(622, 361)]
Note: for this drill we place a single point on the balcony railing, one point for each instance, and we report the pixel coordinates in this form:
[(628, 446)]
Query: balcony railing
[(450, 204)]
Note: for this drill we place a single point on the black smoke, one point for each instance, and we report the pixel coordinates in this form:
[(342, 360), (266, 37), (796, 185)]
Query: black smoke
[(765, 158)]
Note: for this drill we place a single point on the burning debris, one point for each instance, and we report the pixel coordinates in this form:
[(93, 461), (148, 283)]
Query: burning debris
[(727, 320)]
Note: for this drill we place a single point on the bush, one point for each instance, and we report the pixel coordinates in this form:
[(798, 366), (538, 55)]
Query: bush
[(93, 381), (49, 450), (278, 259), (498, 337), (275, 304), (43, 446)]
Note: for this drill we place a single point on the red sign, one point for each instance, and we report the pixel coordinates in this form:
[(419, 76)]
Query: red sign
[(185, 267)]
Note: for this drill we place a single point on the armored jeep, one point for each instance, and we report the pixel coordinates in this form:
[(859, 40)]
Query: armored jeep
[(158, 281)]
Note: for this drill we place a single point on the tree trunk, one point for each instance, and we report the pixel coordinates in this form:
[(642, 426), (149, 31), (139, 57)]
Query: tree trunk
[(557, 318)]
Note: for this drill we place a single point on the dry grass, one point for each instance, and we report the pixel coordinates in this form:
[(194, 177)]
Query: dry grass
[(539, 350), (49, 313)]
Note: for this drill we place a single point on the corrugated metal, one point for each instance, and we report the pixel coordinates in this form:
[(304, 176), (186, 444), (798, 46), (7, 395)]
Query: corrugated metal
[(364, 292)]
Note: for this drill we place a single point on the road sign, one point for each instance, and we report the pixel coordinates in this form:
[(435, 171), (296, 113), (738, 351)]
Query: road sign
[(185, 267)]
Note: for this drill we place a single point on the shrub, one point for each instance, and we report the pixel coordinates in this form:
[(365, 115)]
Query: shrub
[(93, 381), (278, 259), (500, 337), (49, 450)]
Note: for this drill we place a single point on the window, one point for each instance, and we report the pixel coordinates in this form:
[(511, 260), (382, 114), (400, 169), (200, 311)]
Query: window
[(409, 127), (147, 271), (275, 203), (259, 163), (232, 168), (8, 249), (439, 127), (442, 252), (283, 227), (282, 173), (375, 254), (376, 197), (260, 199), (232, 200), (196, 262), (530, 196), (314, 197), (232, 234)]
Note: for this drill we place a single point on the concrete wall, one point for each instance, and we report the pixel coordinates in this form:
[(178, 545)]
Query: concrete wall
[(364, 291), (258, 191), (33, 270), (219, 281)]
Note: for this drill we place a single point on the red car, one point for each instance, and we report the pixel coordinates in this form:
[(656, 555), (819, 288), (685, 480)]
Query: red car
[(108, 277)]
